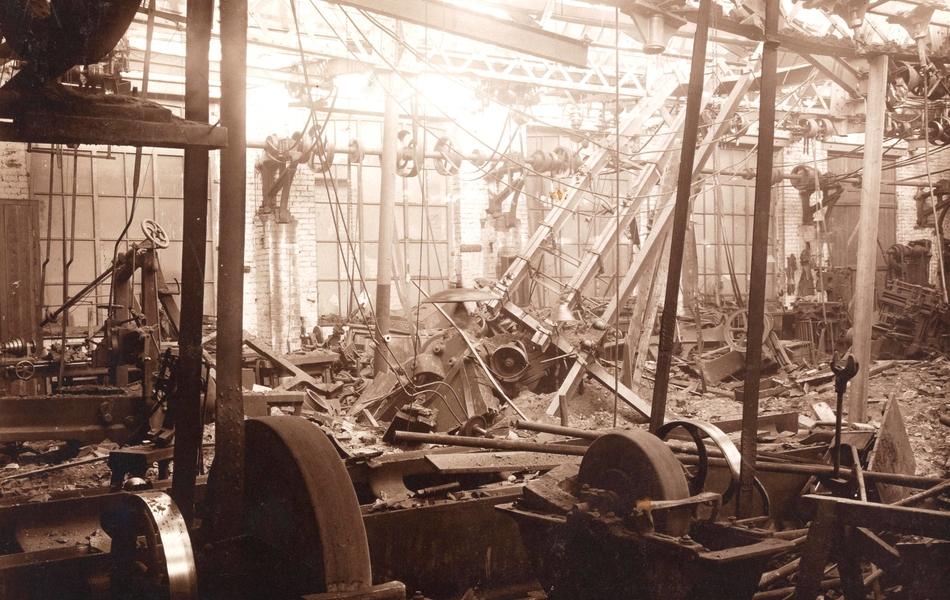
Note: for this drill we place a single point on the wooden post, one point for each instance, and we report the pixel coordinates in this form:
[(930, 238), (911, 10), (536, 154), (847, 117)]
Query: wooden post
[(757, 268), (185, 403), (867, 237)]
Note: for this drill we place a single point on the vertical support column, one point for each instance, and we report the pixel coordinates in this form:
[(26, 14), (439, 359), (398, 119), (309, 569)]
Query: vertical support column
[(229, 412), (694, 102), (867, 237), (187, 398), (757, 271), (387, 200)]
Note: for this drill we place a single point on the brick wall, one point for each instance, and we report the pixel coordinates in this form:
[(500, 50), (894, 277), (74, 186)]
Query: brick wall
[(790, 235), (14, 173), (907, 229)]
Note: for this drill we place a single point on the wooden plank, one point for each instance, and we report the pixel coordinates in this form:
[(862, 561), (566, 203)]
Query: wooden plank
[(892, 453), (724, 366), (496, 462), (824, 411), (300, 376), (19, 284)]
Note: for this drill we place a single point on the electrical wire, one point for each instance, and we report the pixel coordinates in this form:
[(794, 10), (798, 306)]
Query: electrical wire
[(338, 216)]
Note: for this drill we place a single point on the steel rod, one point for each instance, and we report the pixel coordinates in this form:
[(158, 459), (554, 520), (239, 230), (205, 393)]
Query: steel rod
[(929, 493), (487, 443), (557, 429)]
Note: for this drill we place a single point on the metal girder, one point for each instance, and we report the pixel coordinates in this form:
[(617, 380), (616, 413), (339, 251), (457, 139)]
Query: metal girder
[(837, 70), (559, 214), (590, 263), (593, 79), (806, 44), (478, 26), (655, 240)]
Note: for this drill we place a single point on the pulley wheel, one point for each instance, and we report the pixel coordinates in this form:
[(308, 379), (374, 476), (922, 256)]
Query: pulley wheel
[(472, 426), (637, 466), (300, 500), (737, 329), (167, 567), (448, 163), (356, 151), (509, 362), (321, 159), (803, 178), (409, 155)]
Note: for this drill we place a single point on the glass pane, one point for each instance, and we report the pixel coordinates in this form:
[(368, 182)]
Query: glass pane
[(170, 217), (145, 174), (113, 224), (170, 176), (110, 178), (39, 171)]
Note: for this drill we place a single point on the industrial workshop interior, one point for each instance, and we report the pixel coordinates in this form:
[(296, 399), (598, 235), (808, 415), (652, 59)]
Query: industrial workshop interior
[(485, 300)]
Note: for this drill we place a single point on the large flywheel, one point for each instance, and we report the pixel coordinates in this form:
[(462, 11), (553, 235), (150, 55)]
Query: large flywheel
[(300, 501), (637, 467)]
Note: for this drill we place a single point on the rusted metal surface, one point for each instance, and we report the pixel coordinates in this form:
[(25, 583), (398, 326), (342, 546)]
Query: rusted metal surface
[(622, 540), (681, 210), (87, 418), (302, 502), (169, 566), (185, 403)]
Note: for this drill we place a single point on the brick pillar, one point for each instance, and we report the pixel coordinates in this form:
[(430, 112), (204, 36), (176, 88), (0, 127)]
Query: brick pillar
[(278, 296)]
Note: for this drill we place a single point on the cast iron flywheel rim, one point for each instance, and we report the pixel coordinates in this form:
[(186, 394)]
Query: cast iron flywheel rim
[(646, 463), (299, 498)]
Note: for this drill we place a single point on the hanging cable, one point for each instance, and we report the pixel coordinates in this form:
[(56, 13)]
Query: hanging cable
[(335, 194), (930, 189)]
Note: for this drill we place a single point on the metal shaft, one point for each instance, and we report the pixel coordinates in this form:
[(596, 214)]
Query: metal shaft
[(837, 454), (387, 200), (489, 443)]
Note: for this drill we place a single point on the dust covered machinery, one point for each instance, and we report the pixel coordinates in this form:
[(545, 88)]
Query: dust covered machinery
[(627, 523), (90, 376)]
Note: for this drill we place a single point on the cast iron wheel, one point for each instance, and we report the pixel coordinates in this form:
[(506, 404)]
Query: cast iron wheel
[(299, 499), (165, 568), (637, 466)]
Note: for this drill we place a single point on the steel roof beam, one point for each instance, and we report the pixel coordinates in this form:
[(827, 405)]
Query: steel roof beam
[(480, 27)]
